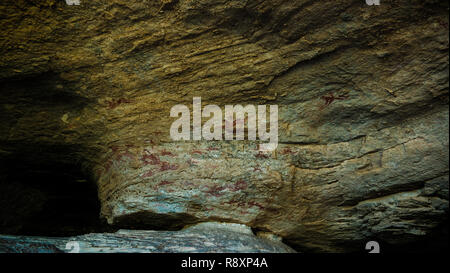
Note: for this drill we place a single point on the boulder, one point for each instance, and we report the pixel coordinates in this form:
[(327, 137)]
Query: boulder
[(205, 238)]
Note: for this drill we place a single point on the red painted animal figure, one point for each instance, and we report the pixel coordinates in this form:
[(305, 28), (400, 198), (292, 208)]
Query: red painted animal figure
[(331, 97)]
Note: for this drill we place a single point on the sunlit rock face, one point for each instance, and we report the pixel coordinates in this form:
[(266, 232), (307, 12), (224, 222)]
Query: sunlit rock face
[(362, 93)]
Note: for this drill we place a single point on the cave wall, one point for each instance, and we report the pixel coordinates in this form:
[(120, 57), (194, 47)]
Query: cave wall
[(362, 93)]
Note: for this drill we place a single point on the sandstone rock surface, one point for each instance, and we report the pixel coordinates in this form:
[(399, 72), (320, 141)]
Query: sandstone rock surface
[(204, 238), (363, 111)]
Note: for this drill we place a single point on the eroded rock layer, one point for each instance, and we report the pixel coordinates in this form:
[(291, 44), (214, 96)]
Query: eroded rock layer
[(204, 238), (362, 93)]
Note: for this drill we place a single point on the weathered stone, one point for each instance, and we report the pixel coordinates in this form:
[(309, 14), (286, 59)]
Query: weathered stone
[(205, 237), (363, 111)]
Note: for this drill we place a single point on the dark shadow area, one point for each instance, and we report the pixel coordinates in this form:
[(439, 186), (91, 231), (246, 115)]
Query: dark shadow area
[(42, 196), (43, 190), (437, 241), (155, 221)]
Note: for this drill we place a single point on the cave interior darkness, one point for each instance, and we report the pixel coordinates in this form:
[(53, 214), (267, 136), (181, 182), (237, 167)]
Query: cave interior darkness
[(45, 198), (43, 190)]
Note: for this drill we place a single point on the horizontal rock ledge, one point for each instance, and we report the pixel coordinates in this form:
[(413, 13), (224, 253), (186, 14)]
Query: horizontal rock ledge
[(204, 237)]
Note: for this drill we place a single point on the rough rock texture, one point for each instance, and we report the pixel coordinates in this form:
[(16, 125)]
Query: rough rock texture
[(363, 111), (205, 237)]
